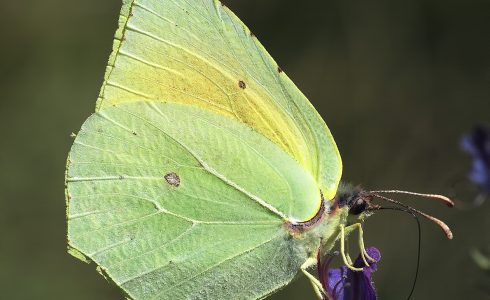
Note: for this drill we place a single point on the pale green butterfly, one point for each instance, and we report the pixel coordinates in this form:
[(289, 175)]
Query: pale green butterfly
[(204, 173)]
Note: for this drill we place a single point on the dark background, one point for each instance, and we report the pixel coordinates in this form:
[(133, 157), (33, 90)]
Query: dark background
[(398, 82)]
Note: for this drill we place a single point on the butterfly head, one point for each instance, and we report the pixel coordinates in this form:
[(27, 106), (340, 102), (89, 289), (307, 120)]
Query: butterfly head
[(356, 201)]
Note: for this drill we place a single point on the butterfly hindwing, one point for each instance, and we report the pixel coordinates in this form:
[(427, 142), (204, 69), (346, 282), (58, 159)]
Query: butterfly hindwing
[(151, 204)]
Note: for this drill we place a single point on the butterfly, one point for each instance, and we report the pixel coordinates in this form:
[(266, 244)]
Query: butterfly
[(204, 172)]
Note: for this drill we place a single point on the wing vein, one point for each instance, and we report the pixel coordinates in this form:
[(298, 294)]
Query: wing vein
[(210, 169), (216, 265)]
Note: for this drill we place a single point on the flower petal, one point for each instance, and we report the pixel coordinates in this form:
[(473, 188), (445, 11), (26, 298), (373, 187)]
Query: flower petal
[(345, 284), (477, 144)]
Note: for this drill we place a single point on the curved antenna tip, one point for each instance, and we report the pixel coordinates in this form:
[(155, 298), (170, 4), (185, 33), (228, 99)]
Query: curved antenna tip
[(445, 228)]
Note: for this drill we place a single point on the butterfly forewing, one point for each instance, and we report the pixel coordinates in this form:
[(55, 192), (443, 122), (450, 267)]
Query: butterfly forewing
[(200, 53)]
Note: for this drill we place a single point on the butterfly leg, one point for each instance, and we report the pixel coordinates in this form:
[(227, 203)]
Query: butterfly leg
[(346, 258), (317, 286), (364, 254)]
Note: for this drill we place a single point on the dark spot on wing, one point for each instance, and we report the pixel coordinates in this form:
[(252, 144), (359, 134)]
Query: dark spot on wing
[(279, 69), (134, 133), (173, 179), (242, 84)]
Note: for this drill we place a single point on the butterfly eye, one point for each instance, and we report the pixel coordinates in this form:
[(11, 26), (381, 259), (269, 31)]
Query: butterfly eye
[(358, 206)]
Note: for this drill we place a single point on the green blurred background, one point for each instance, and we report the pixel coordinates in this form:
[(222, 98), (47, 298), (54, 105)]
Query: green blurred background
[(397, 82)]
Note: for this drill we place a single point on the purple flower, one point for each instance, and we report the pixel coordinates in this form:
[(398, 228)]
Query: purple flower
[(477, 144), (345, 284)]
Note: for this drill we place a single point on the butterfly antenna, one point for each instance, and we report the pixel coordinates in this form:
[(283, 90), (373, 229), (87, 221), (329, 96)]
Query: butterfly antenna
[(440, 198), (418, 247), (438, 222)]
